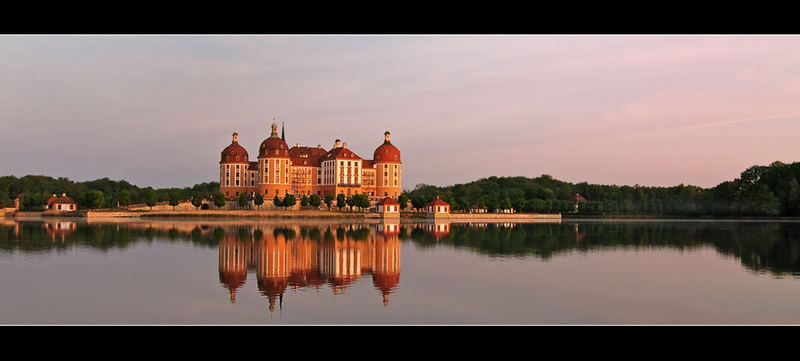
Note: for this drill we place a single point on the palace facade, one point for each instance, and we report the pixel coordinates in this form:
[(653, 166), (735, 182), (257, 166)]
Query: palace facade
[(301, 170)]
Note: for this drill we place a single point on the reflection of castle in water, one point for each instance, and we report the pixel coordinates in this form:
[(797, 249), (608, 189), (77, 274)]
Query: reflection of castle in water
[(282, 260)]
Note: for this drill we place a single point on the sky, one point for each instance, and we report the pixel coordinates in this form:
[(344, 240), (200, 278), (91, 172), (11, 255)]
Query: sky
[(653, 110)]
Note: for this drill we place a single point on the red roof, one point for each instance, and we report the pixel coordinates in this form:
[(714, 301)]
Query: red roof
[(310, 155), (341, 153), (60, 200), (300, 162), (307, 152), (387, 200), (272, 144), (437, 202), (578, 198), (231, 152), (386, 152)]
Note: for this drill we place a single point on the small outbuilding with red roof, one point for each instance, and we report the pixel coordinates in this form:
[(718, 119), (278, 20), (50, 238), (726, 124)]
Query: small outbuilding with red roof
[(389, 207), (61, 204), (437, 209)]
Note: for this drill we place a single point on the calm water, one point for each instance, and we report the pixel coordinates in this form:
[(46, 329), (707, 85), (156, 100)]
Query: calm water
[(244, 272)]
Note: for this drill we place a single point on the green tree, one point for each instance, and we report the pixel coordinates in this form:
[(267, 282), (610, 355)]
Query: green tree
[(32, 201), (350, 202), (340, 201), (403, 199), (197, 200), (304, 201), (94, 199), (219, 199), (289, 201), (277, 201), (361, 201), (505, 203), (173, 199), (793, 197), (150, 198), (258, 200), (418, 202), (329, 200), (314, 201), (243, 200), (125, 198)]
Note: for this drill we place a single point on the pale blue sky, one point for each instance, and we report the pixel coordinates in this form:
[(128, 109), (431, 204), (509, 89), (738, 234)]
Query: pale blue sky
[(157, 110)]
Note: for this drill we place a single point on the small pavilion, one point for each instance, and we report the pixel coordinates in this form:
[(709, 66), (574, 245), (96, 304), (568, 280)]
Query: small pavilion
[(61, 204), (389, 208), (437, 209)]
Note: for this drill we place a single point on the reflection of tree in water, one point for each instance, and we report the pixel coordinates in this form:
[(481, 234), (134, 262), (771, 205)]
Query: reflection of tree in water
[(767, 247)]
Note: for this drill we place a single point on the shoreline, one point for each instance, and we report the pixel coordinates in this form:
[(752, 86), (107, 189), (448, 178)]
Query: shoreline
[(320, 215)]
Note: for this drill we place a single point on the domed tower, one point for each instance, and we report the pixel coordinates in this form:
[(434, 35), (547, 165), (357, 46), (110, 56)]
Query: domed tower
[(233, 166), (387, 169), (273, 166)]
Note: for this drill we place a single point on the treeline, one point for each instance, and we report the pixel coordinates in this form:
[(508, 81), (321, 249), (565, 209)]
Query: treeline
[(764, 247), (33, 192), (759, 191)]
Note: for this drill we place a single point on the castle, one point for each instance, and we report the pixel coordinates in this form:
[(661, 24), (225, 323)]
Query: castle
[(281, 170)]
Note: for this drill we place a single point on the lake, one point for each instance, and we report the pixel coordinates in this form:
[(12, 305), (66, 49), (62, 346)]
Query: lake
[(242, 272)]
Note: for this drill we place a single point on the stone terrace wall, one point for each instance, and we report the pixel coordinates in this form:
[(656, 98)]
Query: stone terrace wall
[(504, 216)]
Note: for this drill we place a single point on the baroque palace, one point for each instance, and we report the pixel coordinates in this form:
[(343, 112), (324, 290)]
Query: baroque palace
[(281, 170)]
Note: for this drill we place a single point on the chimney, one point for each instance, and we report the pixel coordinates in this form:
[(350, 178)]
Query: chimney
[(337, 144), (298, 145), (319, 146), (344, 145)]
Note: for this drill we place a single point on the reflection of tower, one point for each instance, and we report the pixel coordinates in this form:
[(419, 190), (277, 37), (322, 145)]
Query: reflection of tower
[(305, 268), (340, 263), (233, 261), (386, 267), (273, 266)]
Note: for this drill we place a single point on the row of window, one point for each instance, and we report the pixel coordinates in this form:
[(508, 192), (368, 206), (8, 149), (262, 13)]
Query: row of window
[(326, 175)]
